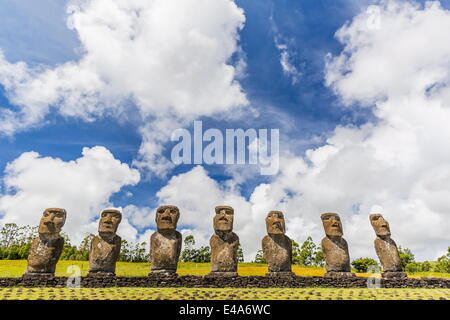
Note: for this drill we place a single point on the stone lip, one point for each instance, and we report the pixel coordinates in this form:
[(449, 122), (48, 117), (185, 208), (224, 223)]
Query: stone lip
[(280, 274), (222, 274), (335, 274), (394, 275), (192, 281), (38, 275), (101, 274)]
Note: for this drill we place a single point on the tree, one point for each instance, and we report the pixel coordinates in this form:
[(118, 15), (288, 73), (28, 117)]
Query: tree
[(259, 258), (319, 259), (406, 256), (307, 252), (188, 254), (203, 255), (363, 264), (443, 263), (240, 254), (295, 252)]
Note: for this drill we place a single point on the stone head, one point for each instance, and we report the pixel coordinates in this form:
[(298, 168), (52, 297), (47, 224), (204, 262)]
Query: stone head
[(223, 220), (167, 218), (275, 223), (52, 221), (332, 224), (380, 225), (109, 222)]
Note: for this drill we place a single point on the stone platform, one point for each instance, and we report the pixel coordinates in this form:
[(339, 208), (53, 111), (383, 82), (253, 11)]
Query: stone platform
[(190, 281)]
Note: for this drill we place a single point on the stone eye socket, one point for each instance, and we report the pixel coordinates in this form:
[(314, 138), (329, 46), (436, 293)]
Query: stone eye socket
[(173, 211), (161, 211)]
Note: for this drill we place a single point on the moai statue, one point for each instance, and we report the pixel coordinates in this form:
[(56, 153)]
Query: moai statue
[(335, 248), (105, 247), (47, 247), (277, 247), (386, 248), (165, 244), (224, 244)]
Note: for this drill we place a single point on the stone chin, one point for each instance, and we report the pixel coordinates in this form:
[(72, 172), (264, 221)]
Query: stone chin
[(106, 234), (275, 231), (166, 227), (44, 231), (335, 233), (223, 227), (383, 232)]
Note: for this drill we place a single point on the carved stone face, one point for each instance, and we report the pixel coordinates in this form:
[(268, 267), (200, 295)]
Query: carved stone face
[(223, 220), (332, 224), (275, 223), (52, 221), (109, 221), (380, 225), (167, 218)]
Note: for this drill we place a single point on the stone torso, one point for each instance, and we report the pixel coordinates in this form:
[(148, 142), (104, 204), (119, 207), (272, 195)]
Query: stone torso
[(44, 254), (165, 250), (278, 253), (388, 254), (224, 253), (336, 254), (103, 254)]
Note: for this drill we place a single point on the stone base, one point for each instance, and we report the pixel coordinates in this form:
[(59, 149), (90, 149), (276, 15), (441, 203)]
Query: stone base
[(394, 275), (336, 274), (163, 273), (38, 275), (280, 274), (222, 274), (101, 274)]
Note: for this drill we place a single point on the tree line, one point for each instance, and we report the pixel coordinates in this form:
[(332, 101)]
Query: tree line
[(15, 243)]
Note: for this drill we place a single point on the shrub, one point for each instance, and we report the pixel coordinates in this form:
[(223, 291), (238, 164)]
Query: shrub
[(363, 264)]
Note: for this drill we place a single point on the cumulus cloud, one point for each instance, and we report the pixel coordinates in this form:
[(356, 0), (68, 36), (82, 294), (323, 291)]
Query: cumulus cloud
[(170, 58), (397, 165), (82, 186)]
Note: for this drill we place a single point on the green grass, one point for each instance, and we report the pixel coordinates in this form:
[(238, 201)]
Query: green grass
[(221, 294), (16, 268)]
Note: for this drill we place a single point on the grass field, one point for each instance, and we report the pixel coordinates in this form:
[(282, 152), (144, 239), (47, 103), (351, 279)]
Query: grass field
[(16, 268), (221, 294)]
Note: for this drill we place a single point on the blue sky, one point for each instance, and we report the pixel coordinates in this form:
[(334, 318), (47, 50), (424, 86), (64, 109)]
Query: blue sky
[(302, 104), (38, 34)]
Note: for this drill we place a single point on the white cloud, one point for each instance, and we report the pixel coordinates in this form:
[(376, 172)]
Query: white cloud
[(171, 58), (398, 164), (286, 55), (289, 69), (82, 186)]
